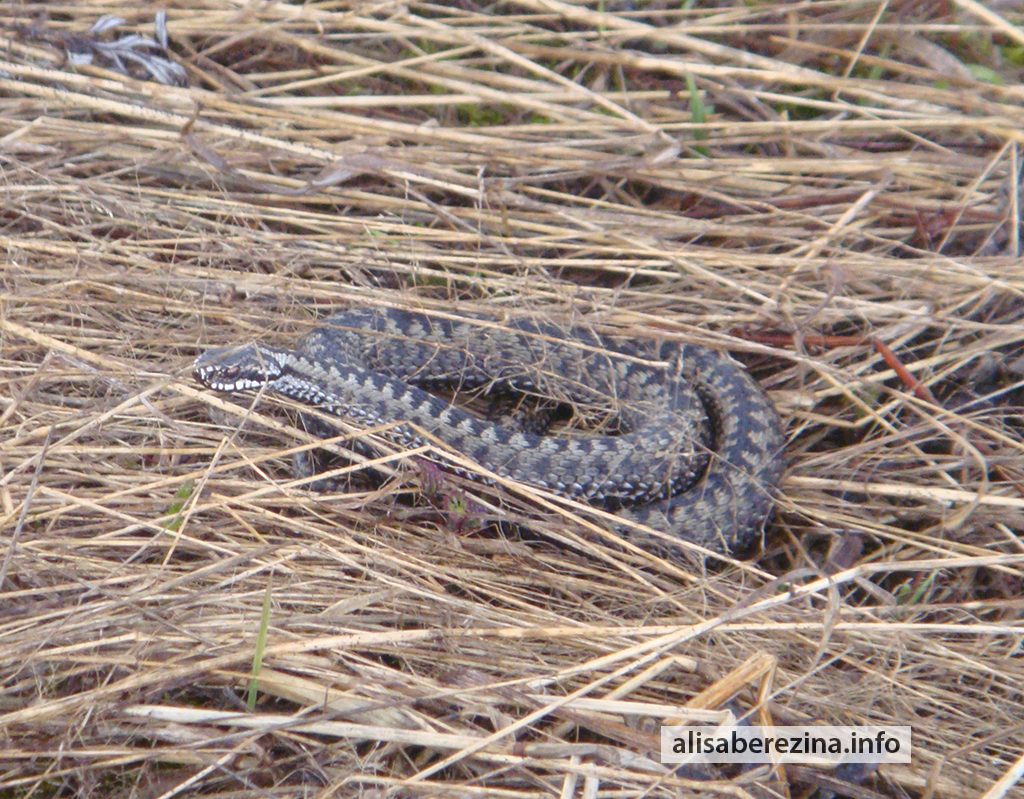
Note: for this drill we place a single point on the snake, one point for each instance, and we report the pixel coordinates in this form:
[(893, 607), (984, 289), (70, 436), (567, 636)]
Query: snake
[(687, 443)]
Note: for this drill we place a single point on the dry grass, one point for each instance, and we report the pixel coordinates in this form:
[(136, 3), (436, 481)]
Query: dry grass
[(850, 176)]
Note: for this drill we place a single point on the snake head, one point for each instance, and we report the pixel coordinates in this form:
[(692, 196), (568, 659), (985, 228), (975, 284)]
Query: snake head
[(244, 368)]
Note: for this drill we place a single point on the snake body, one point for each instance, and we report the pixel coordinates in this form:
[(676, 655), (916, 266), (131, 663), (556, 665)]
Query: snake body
[(699, 454)]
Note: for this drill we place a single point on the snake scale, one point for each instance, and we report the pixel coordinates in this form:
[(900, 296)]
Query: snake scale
[(698, 449)]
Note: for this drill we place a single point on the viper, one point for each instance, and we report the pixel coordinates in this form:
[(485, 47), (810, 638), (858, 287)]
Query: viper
[(694, 448)]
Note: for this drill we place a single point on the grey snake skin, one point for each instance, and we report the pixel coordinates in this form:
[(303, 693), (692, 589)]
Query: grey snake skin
[(698, 452)]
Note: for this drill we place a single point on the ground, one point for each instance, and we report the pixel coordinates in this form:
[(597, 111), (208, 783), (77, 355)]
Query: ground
[(829, 191)]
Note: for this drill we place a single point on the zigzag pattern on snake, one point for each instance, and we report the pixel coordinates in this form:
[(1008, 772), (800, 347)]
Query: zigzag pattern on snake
[(699, 454)]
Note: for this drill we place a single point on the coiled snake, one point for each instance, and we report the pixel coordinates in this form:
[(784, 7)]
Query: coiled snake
[(699, 449)]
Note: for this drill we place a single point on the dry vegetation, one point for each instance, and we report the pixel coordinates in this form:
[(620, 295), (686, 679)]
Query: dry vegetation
[(758, 177)]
